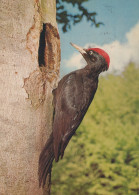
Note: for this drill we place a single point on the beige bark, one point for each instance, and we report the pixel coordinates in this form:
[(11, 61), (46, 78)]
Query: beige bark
[(25, 91)]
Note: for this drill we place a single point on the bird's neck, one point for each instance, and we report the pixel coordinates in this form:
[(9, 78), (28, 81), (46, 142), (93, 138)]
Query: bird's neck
[(90, 79), (92, 73), (90, 82), (94, 70)]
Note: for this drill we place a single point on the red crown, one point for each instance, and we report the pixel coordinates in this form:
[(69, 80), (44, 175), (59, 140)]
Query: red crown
[(102, 53)]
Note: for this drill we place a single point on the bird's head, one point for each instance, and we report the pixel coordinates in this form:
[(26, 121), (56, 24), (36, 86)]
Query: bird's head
[(96, 58)]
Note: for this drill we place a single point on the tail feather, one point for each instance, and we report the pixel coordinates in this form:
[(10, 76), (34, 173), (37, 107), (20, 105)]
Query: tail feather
[(45, 161), (47, 170)]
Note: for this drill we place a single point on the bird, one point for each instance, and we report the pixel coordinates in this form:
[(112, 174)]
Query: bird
[(71, 100)]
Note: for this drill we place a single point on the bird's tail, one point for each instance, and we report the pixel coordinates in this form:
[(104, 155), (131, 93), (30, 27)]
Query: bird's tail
[(45, 161)]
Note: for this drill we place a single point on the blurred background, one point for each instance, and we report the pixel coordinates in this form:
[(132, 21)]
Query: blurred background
[(103, 156)]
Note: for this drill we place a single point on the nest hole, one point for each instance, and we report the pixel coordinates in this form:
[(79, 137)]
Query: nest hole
[(42, 45)]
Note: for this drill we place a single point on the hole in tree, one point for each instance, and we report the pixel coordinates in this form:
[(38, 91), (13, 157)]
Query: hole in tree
[(42, 47)]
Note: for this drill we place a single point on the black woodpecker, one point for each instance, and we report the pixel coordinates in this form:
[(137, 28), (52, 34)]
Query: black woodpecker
[(71, 100)]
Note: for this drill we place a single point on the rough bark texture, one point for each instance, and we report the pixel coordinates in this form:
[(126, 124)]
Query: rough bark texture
[(26, 90)]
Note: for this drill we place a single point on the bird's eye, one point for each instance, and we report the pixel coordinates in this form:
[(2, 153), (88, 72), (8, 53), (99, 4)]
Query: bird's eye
[(91, 52)]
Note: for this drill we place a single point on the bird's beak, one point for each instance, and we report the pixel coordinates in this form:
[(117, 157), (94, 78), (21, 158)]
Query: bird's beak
[(80, 49)]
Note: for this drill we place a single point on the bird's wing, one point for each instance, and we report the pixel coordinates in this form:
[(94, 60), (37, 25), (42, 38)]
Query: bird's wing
[(68, 103)]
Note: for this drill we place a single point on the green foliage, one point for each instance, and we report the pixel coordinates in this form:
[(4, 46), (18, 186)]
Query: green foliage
[(103, 157), (67, 18)]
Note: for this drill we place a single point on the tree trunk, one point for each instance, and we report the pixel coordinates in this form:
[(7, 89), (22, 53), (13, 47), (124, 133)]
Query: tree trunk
[(29, 70)]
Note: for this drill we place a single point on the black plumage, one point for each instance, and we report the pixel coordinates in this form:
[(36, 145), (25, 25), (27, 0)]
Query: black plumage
[(72, 98)]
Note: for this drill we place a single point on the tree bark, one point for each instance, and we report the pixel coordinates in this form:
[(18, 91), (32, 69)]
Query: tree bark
[(29, 70)]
